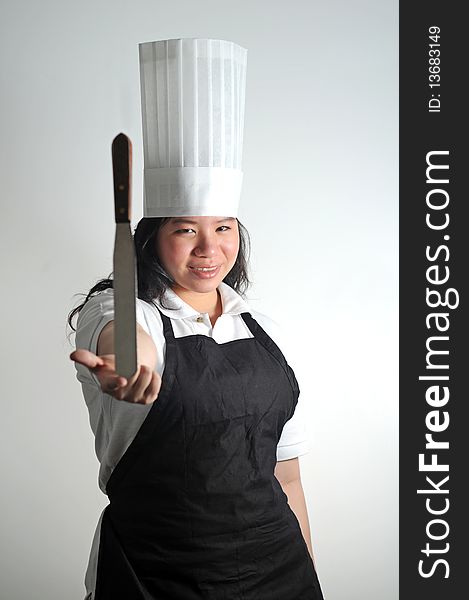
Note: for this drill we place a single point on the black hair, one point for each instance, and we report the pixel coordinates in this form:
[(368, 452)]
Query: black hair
[(153, 280)]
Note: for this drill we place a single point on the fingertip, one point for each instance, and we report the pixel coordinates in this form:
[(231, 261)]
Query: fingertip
[(117, 384), (73, 355)]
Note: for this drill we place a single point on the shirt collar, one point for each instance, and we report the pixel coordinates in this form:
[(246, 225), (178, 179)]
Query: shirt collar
[(232, 303)]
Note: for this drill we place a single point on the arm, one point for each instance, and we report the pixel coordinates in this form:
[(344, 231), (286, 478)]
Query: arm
[(146, 351), (288, 474), (142, 387)]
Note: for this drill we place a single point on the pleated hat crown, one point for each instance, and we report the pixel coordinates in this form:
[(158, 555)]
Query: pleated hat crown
[(193, 96)]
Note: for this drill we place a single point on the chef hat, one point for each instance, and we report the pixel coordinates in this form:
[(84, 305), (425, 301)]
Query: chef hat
[(192, 93)]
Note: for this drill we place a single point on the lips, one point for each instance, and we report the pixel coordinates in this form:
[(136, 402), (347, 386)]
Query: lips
[(205, 272), (204, 267)]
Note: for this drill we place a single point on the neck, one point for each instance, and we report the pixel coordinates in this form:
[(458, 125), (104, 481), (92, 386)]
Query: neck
[(209, 302)]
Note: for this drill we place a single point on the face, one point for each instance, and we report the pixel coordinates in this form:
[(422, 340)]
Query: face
[(187, 244)]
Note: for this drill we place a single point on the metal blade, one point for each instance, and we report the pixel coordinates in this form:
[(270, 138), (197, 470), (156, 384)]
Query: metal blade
[(125, 335)]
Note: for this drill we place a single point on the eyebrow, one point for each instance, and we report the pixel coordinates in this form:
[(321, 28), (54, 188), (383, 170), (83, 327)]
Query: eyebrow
[(176, 221)]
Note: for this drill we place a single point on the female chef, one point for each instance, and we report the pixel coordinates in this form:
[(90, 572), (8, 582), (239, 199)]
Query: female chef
[(199, 448)]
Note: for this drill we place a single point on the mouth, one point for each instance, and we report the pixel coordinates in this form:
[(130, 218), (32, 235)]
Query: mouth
[(205, 272), (204, 269)]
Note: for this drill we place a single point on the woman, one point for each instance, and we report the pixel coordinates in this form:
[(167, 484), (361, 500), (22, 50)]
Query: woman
[(205, 499)]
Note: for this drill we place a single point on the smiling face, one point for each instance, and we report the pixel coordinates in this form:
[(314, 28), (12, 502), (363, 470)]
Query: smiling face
[(185, 245)]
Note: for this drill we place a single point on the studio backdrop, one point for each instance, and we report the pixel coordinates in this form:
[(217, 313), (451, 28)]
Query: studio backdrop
[(319, 200)]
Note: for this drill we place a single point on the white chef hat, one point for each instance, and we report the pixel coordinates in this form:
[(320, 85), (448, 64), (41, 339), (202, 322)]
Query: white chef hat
[(192, 93)]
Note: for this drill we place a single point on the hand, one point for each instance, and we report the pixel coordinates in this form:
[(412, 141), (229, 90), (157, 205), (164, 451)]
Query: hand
[(142, 388)]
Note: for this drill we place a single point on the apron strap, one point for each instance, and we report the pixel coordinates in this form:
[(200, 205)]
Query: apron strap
[(259, 333), (167, 327)]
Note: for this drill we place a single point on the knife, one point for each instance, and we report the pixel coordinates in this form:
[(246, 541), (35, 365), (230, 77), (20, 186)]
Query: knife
[(125, 334)]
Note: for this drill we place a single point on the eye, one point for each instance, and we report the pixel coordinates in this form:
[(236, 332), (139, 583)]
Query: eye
[(224, 227)]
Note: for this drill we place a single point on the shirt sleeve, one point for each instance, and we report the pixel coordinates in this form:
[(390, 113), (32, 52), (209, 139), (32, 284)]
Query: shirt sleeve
[(294, 440), (114, 423), (93, 317)]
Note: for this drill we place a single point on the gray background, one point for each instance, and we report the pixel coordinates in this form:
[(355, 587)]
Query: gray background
[(320, 201)]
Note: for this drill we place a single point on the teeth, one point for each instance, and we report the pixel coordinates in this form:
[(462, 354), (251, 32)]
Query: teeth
[(204, 268)]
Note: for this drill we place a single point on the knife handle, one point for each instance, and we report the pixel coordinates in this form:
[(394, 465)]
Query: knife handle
[(122, 171)]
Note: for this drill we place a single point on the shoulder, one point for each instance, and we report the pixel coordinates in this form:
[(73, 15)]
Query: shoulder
[(99, 311), (94, 315), (270, 326)]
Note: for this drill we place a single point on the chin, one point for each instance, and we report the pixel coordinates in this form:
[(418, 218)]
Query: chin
[(202, 286), (205, 286)]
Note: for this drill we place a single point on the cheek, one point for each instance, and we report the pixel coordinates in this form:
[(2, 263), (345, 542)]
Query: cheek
[(172, 251), (232, 248), (163, 249)]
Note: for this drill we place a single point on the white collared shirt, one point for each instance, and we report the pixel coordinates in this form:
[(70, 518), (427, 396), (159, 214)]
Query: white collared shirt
[(114, 422)]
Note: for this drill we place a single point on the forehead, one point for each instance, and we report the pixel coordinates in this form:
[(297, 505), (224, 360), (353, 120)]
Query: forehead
[(198, 220)]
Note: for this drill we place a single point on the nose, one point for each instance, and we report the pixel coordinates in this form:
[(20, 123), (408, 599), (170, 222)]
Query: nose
[(206, 245)]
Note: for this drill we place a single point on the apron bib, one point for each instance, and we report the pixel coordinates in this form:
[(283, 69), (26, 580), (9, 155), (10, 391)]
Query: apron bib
[(195, 510)]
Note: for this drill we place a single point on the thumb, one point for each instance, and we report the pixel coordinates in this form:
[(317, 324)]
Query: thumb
[(86, 358)]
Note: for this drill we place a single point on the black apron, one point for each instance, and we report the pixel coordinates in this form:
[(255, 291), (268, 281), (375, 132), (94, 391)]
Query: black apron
[(195, 509)]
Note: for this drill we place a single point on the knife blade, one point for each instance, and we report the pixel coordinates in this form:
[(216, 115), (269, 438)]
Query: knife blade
[(125, 334)]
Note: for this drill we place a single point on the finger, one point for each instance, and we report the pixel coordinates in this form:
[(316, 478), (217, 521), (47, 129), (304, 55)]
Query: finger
[(125, 391), (142, 383), (151, 393), (133, 378), (138, 389), (86, 358), (113, 385)]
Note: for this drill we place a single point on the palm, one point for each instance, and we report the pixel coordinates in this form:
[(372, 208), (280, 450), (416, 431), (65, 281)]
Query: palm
[(102, 366), (141, 388)]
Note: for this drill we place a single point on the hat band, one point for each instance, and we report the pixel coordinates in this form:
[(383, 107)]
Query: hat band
[(192, 191)]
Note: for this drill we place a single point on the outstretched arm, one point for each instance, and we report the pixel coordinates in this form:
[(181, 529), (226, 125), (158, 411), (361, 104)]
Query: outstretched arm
[(144, 385)]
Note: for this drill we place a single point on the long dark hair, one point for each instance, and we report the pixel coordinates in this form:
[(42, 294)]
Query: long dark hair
[(153, 280)]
